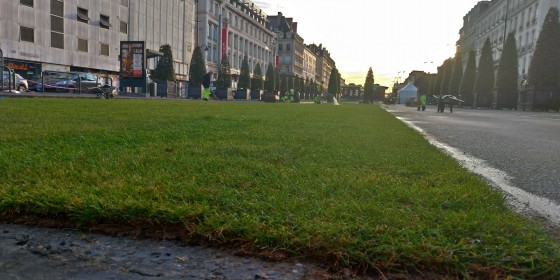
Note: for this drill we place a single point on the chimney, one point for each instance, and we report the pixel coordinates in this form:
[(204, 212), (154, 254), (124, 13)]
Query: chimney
[(294, 27)]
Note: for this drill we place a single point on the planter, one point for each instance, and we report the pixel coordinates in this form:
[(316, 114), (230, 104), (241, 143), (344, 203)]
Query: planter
[(222, 93), (241, 94), (270, 97), (255, 95), (195, 92), (484, 100)]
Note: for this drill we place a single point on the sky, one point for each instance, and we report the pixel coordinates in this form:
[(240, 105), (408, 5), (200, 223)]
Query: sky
[(393, 37)]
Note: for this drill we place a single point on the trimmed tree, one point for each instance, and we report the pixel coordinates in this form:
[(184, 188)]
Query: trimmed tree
[(257, 81), (447, 70), (164, 69), (507, 76), (457, 75), (467, 84), (224, 74), (368, 87), (544, 72), (283, 87), (270, 82), (197, 69), (333, 82), (438, 80), (244, 75), (485, 77)]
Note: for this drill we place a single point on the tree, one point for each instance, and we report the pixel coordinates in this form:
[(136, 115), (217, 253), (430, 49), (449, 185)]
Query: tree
[(283, 87), (257, 81), (276, 79), (544, 71), (333, 82), (456, 75), (296, 84), (484, 84), (270, 82), (224, 74), (290, 80), (197, 70), (164, 69), (438, 80), (368, 86), (466, 90), (447, 70), (507, 76), (245, 75)]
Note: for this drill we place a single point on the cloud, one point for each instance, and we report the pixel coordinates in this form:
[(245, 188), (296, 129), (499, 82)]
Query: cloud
[(263, 4)]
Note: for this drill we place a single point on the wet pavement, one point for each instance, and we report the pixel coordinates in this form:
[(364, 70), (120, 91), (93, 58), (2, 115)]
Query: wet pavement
[(42, 253)]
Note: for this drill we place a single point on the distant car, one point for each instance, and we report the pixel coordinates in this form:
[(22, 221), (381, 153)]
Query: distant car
[(21, 83), (411, 102), (69, 82)]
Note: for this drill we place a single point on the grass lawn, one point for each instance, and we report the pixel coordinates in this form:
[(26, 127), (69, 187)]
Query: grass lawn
[(347, 185)]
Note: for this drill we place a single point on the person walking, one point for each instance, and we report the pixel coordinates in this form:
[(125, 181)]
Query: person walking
[(423, 102)]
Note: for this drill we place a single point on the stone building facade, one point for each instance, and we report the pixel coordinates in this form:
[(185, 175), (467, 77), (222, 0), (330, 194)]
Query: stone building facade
[(85, 35), (236, 28)]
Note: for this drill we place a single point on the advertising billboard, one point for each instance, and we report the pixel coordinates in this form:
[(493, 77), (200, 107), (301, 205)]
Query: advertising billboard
[(133, 57)]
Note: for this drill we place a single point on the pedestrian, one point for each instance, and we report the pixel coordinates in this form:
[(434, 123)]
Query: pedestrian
[(206, 94), (423, 101)]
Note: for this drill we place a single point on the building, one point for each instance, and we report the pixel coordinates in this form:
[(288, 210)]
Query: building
[(496, 19), (237, 29), (309, 64), (73, 35), (325, 65), (291, 47)]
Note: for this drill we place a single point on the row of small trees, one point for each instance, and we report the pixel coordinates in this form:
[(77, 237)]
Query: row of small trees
[(483, 87), (271, 82)]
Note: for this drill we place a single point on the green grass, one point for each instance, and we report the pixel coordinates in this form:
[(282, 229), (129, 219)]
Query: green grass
[(344, 184)]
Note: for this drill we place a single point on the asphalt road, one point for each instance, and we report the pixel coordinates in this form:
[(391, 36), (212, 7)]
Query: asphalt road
[(524, 145)]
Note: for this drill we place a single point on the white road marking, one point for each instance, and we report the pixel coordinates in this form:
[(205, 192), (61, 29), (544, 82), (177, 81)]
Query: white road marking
[(519, 199)]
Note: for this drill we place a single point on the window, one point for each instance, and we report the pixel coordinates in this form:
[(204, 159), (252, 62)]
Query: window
[(104, 22), (104, 49), (83, 15), (26, 34), (288, 47), (28, 3), (124, 27), (57, 24), (57, 8), (57, 40), (82, 45)]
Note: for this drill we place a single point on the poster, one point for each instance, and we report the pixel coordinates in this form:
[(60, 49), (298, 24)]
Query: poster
[(132, 59)]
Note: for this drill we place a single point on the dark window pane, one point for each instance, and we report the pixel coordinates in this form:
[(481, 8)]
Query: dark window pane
[(124, 27), (57, 8), (83, 15), (82, 45), (57, 40), (105, 49), (27, 3), (27, 34), (104, 21), (57, 24)]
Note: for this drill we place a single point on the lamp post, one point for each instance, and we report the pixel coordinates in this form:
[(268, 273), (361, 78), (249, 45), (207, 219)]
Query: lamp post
[(2, 69)]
